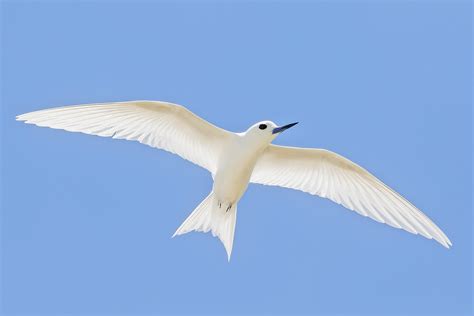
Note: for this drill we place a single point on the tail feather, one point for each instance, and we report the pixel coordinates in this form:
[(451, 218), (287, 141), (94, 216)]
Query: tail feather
[(208, 216)]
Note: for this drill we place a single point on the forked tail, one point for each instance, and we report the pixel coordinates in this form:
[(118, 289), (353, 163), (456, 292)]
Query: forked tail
[(209, 216)]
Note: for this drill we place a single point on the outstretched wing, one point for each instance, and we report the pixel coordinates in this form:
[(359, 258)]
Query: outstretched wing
[(327, 174), (158, 124)]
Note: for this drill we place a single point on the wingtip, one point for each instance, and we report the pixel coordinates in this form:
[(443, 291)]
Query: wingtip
[(23, 117), (444, 240), (448, 245), (228, 252)]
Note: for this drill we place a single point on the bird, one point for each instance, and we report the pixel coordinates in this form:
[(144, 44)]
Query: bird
[(237, 159)]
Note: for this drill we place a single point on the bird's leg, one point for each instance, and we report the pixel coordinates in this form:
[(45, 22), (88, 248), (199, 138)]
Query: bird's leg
[(220, 204), (228, 207)]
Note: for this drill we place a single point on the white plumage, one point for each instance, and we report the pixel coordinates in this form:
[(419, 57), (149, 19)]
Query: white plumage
[(327, 174), (235, 159)]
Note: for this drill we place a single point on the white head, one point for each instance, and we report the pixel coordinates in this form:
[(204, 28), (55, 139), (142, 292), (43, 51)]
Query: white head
[(265, 132)]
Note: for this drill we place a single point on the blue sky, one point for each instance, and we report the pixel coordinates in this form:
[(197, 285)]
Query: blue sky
[(87, 221)]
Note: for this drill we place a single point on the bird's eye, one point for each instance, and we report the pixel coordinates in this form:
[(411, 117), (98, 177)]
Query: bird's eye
[(262, 126)]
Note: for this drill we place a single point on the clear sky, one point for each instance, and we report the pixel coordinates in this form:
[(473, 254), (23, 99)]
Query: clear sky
[(87, 221)]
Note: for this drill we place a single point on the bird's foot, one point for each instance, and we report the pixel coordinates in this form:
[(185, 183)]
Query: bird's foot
[(228, 207)]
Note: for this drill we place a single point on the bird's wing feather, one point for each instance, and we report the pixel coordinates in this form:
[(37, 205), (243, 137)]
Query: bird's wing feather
[(158, 124), (327, 174)]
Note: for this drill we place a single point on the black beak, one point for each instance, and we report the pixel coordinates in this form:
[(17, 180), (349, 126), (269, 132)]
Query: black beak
[(282, 128)]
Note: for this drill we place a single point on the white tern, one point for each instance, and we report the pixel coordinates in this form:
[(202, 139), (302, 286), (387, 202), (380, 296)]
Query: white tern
[(236, 159)]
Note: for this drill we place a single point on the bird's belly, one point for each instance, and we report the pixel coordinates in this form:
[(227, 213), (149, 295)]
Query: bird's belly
[(232, 177), (230, 184)]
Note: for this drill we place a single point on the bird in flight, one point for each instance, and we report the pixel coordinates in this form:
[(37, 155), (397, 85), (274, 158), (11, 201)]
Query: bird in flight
[(237, 159)]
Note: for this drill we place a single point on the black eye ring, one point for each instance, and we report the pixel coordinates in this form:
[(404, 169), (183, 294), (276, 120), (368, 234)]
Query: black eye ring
[(262, 126)]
